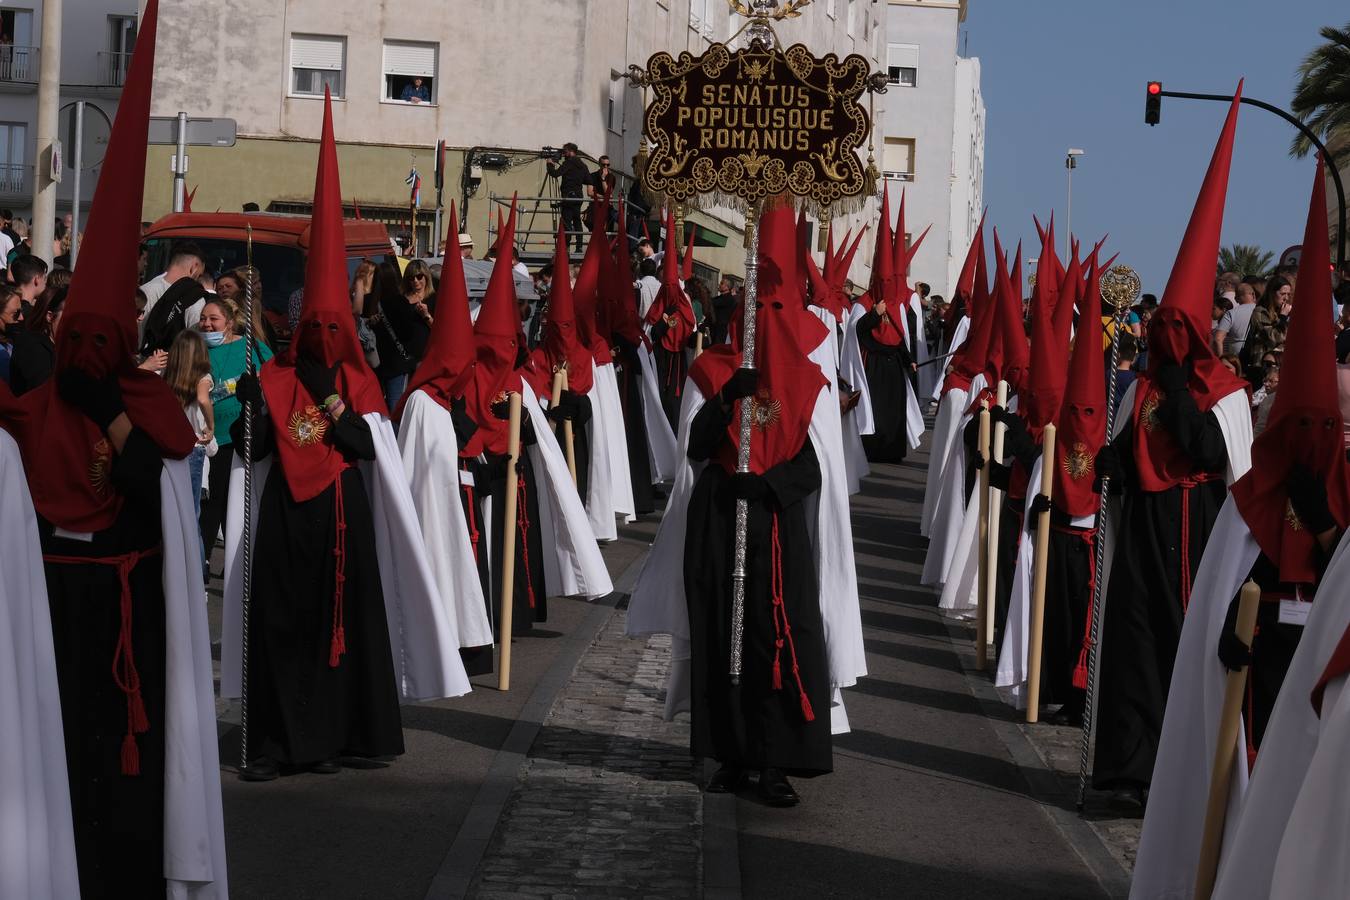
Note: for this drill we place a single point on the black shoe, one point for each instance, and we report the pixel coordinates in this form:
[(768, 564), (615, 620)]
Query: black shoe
[(326, 767), (775, 790), (726, 780), (1130, 799), (1066, 716), (261, 769)]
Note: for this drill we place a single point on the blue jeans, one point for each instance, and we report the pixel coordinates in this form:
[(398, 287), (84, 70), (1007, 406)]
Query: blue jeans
[(196, 463), (393, 391)]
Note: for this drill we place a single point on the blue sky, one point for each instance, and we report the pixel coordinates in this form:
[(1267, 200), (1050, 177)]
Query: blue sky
[(1065, 73)]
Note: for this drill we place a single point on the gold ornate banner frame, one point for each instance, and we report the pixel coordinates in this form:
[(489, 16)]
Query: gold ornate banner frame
[(735, 127)]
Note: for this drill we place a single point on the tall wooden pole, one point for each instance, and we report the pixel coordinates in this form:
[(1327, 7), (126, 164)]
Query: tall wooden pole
[(1226, 750), (1035, 649), (508, 593)]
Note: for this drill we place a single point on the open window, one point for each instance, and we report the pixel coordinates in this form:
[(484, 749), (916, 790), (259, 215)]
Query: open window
[(410, 72)]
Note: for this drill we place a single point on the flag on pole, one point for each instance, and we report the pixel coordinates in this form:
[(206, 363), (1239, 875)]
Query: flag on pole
[(414, 183)]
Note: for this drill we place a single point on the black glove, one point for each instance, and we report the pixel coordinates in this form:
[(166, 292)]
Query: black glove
[(979, 460), (624, 345), (1234, 654), (1107, 464), (318, 379), (1172, 378), (100, 399), (1040, 504), (1000, 414), (1000, 476), (749, 486), (502, 410), (248, 390), (1308, 497), (742, 383)]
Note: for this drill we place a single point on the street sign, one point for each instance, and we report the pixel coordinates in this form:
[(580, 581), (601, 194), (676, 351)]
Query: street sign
[(200, 132)]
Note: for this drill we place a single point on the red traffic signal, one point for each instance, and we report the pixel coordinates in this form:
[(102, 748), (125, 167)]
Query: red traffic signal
[(1153, 103)]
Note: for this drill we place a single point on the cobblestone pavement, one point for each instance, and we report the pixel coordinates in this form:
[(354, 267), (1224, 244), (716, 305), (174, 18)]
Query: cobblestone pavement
[(1058, 746), (608, 803)]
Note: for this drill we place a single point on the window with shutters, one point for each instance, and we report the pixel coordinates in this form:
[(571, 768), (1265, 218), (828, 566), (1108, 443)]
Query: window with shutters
[(410, 72), (318, 61), (897, 161), (902, 64)]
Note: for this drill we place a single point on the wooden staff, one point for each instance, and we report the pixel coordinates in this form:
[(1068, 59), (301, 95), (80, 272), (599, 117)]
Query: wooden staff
[(1038, 580), (1226, 750), (981, 651), (569, 448), (995, 513), (509, 544)]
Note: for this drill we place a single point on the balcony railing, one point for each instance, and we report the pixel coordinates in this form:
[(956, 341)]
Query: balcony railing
[(16, 180), (112, 68), (18, 63)]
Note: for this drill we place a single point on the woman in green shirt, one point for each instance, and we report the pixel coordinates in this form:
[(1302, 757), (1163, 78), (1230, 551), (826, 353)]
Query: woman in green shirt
[(222, 327)]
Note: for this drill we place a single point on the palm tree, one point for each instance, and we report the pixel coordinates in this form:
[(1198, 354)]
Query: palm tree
[(1245, 259), (1322, 99)]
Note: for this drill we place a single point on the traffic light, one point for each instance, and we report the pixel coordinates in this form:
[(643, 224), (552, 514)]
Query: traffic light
[(1153, 103)]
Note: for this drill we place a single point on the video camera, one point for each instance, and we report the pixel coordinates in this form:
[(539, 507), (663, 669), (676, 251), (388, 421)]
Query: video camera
[(552, 154)]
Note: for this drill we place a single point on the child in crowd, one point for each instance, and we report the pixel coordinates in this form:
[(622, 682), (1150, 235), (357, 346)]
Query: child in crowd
[(188, 374)]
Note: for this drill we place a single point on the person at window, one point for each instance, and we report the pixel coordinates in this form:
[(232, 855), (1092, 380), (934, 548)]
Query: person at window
[(416, 92), (572, 176)]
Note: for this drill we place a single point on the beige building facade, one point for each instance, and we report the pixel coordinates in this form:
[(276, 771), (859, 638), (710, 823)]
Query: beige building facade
[(502, 80)]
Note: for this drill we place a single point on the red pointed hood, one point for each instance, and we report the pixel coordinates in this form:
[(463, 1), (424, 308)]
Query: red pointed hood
[(883, 262), (1082, 417), (780, 277), (447, 366), (1014, 352), (903, 255), (623, 318), (1179, 330), (560, 345), (67, 458), (1039, 403), (969, 359), (326, 332), (837, 264), (1305, 426), (671, 303), (498, 339)]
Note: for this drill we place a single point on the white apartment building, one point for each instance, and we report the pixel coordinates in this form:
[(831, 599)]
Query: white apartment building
[(933, 134), (95, 47), (502, 80)]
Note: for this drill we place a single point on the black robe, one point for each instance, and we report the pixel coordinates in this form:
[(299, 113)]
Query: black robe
[(1143, 611), (118, 819), (301, 709), (1068, 597), (753, 725), (628, 370), (477, 660), (671, 369), (888, 381), (530, 595)]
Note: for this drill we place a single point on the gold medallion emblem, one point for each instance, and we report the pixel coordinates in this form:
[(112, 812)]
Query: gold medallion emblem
[(307, 426), (765, 411), (100, 466), (1148, 413), (1291, 517), (1078, 462)]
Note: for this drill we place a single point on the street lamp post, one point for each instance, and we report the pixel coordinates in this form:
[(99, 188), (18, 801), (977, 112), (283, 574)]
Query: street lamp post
[(1070, 163)]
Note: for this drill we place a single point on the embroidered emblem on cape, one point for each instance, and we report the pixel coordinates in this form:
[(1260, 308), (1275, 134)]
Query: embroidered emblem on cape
[(100, 466), (1291, 517), (1078, 462), (1148, 413), (765, 411), (307, 426)]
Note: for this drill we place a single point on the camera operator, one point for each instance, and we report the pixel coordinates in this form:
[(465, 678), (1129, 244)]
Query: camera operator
[(573, 179)]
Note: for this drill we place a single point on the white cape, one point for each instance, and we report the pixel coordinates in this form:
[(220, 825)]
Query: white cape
[(1169, 847), (430, 453), (610, 440), (946, 534), (423, 633), (658, 604), (662, 452), (1283, 779), (575, 568), (958, 338), (928, 374), (945, 430), (37, 838)]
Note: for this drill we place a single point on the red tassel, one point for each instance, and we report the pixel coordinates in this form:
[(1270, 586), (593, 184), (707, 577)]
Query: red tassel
[(1080, 672), (140, 722), (131, 756), (777, 674), (807, 713), (336, 648)]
